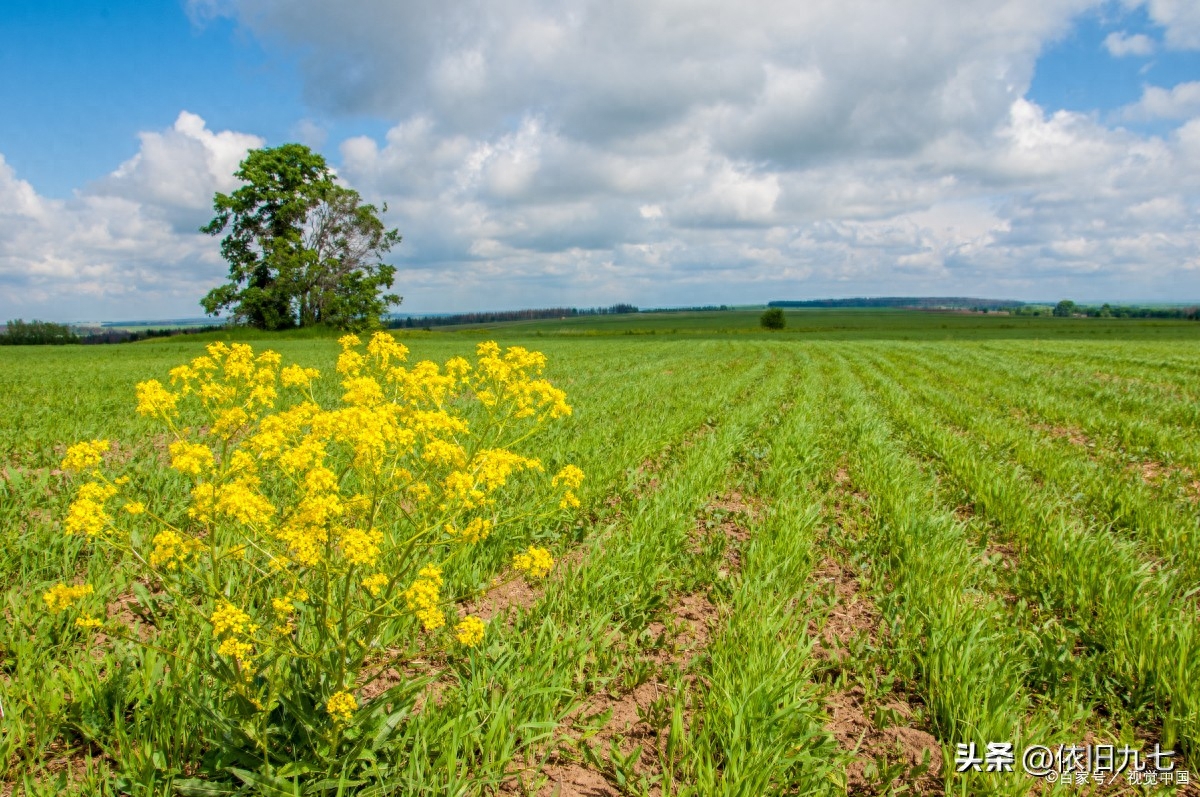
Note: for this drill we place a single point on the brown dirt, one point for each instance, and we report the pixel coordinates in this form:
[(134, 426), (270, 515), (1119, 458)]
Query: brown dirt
[(879, 733), (729, 515), (572, 780), (1152, 472), (853, 615), (684, 632), (1005, 554), (58, 758), (507, 596), (1074, 435), (678, 638), (852, 721)]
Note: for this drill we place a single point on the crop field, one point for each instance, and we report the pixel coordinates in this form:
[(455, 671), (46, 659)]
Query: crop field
[(825, 561)]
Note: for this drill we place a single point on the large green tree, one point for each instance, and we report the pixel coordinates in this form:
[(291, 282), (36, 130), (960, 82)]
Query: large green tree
[(301, 249)]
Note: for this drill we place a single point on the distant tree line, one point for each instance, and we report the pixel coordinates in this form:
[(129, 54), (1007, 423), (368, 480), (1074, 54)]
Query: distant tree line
[(706, 308), (908, 302), (47, 333), (1069, 309), (132, 336), (37, 333), (413, 322)]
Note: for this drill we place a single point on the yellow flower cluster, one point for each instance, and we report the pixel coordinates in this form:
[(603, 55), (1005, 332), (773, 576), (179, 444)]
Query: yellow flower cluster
[(313, 518), (190, 458), (469, 631), (361, 547), (285, 610), (511, 377), (171, 549), (342, 706), (155, 400), (63, 596), (84, 456), (231, 625), (475, 531), (296, 376), (374, 584), (570, 477), (86, 514), (536, 562), (423, 598)]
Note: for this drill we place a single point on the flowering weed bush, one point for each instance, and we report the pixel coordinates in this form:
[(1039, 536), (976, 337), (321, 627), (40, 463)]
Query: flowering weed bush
[(310, 534)]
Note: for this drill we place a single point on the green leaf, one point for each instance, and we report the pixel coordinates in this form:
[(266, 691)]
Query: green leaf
[(268, 784), (195, 787)]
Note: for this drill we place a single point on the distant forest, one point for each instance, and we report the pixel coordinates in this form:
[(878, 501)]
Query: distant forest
[(423, 322), (1064, 309), (908, 303)]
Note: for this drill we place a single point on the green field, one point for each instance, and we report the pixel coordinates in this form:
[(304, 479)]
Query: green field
[(806, 562)]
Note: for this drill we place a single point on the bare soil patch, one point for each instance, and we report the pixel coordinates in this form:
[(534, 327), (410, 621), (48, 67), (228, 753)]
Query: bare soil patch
[(640, 717), (882, 732)]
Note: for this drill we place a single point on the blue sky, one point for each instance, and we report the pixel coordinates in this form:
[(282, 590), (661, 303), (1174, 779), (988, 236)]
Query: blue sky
[(654, 152)]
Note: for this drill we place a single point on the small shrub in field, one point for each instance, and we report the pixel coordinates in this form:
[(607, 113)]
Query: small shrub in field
[(772, 318), (311, 536)]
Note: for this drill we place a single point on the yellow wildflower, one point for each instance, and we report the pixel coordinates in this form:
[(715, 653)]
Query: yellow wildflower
[(154, 399), (229, 619), (215, 394), (190, 458), (237, 649), (295, 376), (536, 562), (342, 706), (423, 598), (475, 531), (134, 507), (84, 456), (458, 368), (229, 421), (469, 631), (385, 348), (87, 621), (62, 596), (495, 465), (570, 477), (170, 548), (86, 514), (361, 547), (444, 453), (362, 391), (374, 584), (350, 363)]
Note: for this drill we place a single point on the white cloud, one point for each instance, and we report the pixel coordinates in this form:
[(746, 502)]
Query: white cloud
[(663, 151), (128, 244), (1180, 19), (1179, 102), (1119, 44)]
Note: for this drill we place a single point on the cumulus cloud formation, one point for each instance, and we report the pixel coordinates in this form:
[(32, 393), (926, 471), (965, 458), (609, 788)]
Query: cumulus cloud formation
[(1179, 102), (662, 150), (1180, 19), (127, 244), (1119, 44), (668, 152)]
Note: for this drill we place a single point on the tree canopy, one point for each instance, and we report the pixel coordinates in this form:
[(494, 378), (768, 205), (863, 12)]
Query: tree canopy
[(301, 249), (772, 318), (1064, 309)]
